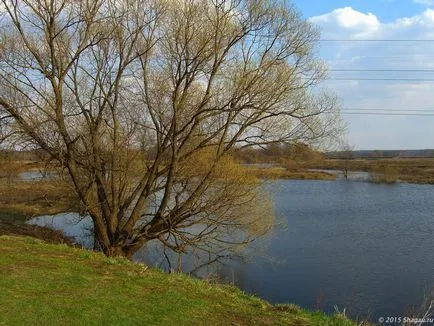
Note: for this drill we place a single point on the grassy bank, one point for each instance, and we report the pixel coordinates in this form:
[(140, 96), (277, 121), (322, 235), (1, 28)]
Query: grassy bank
[(282, 173), (10, 168), (411, 170), (45, 284), (22, 200), (383, 170)]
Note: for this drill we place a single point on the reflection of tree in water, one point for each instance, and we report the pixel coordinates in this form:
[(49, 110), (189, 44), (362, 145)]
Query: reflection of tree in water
[(73, 225)]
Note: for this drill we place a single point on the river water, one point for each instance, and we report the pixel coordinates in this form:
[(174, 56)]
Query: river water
[(364, 247)]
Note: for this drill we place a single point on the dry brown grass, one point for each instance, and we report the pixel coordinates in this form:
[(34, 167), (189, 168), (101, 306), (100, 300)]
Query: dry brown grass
[(35, 231), (21, 200), (11, 168), (282, 173), (411, 170)]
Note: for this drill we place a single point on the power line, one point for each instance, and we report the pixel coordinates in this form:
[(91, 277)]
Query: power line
[(390, 114), (373, 40), (389, 110), (384, 79), (378, 111), (383, 70)]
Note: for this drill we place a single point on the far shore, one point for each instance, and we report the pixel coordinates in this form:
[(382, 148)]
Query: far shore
[(21, 200), (275, 173)]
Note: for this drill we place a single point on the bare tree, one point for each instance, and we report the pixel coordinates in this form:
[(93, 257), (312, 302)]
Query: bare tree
[(142, 102), (346, 155)]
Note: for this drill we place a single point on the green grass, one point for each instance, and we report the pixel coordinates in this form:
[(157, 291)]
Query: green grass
[(45, 284)]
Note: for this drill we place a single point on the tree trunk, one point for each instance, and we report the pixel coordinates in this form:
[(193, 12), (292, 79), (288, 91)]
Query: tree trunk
[(115, 251)]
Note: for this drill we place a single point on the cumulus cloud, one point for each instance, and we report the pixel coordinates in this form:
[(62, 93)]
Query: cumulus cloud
[(349, 20), (356, 90), (351, 23)]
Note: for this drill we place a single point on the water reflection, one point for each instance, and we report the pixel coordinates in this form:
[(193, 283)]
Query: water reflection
[(36, 175), (77, 227), (366, 247), (351, 175)]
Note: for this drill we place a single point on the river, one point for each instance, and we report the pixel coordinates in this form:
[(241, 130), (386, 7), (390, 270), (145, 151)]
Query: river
[(364, 247)]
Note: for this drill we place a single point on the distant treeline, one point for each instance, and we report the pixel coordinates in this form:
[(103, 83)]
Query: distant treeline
[(25, 155), (278, 153), (419, 153), (272, 153)]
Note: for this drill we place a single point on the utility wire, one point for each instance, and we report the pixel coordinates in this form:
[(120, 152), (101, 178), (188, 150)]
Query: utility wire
[(383, 79), (389, 110), (390, 114), (378, 111), (383, 70), (383, 40)]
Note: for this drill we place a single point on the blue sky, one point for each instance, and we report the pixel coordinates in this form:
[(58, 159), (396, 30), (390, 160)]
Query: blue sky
[(380, 20)]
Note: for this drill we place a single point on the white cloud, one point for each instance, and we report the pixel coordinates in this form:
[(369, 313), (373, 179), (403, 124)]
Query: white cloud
[(350, 23), (382, 132), (348, 19), (424, 2)]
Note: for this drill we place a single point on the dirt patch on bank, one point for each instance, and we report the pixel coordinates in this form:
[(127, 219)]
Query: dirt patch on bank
[(39, 232)]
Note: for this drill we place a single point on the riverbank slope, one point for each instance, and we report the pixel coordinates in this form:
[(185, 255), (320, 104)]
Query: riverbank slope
[(46, 284)]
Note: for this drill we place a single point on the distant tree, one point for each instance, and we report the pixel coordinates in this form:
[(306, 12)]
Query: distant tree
[(346, 154), (143, 102), (377, 154), (302, 153)]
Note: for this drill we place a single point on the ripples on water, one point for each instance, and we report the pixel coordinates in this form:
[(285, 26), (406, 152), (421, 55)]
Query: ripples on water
[(364, 247)]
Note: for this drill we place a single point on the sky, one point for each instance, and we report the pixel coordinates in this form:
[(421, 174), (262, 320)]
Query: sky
[(359, 36), (396, 113)]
